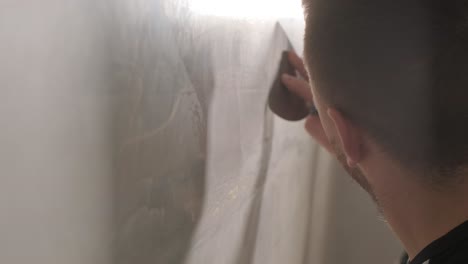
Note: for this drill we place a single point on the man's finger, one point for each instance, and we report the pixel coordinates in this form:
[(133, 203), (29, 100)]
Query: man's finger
[(298, 64), (297, 86)]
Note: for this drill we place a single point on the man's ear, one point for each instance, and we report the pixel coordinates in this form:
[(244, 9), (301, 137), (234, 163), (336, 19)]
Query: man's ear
[(349, 135)]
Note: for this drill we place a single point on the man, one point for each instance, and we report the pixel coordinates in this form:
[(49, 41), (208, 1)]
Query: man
[(389, 80)]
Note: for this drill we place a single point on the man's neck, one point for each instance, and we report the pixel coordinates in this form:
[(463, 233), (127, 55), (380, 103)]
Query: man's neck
[(417, 213)]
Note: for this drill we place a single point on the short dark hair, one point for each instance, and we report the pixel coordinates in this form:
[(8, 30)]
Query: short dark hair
[(399, 69)]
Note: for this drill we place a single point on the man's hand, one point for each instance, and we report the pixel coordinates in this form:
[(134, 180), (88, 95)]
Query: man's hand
[(301, 87)]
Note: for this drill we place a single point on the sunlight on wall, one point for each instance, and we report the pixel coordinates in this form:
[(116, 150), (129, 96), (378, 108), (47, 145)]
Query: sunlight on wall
[(248, 8)]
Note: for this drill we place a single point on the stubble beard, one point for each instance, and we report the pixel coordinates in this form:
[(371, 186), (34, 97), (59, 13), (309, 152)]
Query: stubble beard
[(356, 174)]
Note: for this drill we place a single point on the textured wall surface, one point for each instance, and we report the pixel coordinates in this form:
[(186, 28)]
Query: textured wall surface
[(135, 131), (196, 145)]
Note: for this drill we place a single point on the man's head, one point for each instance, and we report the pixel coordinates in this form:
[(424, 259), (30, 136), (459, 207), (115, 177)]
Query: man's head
[(391, 76)]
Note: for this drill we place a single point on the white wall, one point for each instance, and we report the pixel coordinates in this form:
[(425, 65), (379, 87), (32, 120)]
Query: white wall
[(55, 162)]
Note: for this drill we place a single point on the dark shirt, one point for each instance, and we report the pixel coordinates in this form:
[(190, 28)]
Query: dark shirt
[(452, 248)]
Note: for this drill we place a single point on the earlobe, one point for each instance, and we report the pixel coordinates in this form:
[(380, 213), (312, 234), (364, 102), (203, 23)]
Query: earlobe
[(348, 135)]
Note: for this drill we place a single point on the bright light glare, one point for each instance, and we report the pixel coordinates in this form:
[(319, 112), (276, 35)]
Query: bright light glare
[(248, 8)]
